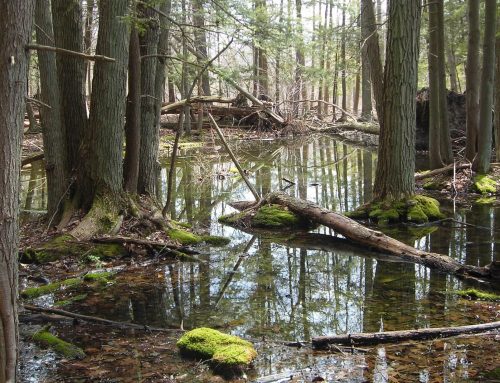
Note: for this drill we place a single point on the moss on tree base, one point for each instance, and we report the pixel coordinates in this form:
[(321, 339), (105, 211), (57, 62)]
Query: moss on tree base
[(225, 351), (418, 209), (267, 217), (63, 348)]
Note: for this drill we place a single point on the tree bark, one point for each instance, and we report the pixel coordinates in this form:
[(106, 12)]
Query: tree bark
[(300, 92), (16, 21), (360, 339), (375, 239), (482, 161), (54, 142), (472, 78), (394, 177), (149, 132), (200, 41), (366, 87), (497, 99)]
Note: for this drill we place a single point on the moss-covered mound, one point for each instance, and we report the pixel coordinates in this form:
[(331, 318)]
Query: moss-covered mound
[(418, 209), (187, 238), (267, 217), (484, 184), (226, 351), (63, 348), (478, 294), (35, 292)]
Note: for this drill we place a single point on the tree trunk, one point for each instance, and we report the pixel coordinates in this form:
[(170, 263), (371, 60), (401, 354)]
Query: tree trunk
[(452, 65), (300, 92), (497, 99), (200, 41), (149, 132), (68, 34), (89, 21), (482, 161), (54, 142), (133, 115), (373, 53), (366, 87), (394, 177), (374, 239), (472, 72), (16, 21), (343, 72), (108, 99)]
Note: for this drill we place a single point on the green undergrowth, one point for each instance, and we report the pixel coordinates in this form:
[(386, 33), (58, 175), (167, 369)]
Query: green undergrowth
[(66, 245), (477, 294), (187, 238), (484, 184), (267, 217), (46, 339), (418, 209), (223, 350), (91, 278)]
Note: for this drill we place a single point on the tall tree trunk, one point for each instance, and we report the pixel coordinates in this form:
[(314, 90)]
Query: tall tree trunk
[(108, 99), (394, 177), (472, 77), (89, 21), (452, 66), (52, 128), (68, 34), (200, 41), (343, 64), (149, 134), (16, 21), (497, 99), (133, 115), (483, 159), (366, 88), (301, 91)]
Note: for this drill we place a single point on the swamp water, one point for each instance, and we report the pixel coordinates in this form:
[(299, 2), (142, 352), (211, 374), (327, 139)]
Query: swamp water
[(276, 288)]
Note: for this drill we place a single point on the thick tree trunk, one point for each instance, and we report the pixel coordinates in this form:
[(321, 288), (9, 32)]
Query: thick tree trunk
[(149, 132), (200, 41), (473, 75), (366, 88), (108, 98), (482, 161), (52, 128), (68, 34), (394, 178), (375, 239), (497, 99), (360, 339), (16, 21), (133, 115), (300, 92)]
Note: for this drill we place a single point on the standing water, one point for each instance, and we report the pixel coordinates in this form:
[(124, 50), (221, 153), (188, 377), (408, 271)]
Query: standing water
[(277, 288)]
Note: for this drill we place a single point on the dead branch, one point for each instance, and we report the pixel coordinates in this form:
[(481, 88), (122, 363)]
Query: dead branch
[(435, 172), (39, 47), (193, 100), (324, 342), (35, 157), (362, 127), (144, 242), (92, 319)]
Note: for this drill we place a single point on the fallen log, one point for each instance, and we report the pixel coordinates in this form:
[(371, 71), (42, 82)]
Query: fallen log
[(92, 319), (360, 234), (364, 127), (435, 172), (358, 339), (32, 158), (167, 107), (145, 242)]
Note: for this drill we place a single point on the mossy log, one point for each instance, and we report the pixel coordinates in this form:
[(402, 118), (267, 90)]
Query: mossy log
[(359, 339), (360, 234), (63, 348)]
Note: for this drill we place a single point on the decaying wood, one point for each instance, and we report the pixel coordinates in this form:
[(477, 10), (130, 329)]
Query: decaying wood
[(143, 242), (35, 157), (360, 234), (39, 47), (168, 107), (324, 342), (446, 169), (360, 126), (92, 319)]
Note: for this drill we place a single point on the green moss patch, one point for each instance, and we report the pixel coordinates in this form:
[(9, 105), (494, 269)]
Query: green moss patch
[(276, 217), (433, 184), (484, 184), (184, 237), (478, 294), (215, 240), (222, 349), (63, 348), (103, 277), (66, 302), (35, 292)]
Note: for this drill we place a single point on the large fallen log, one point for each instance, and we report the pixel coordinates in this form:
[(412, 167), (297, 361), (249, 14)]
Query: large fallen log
[(377, 240), (359, 339), (168, 107)]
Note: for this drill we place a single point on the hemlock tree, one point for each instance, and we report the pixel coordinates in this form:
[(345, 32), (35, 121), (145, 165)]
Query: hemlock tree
[(16, 21), (482, 162), (394, 179)]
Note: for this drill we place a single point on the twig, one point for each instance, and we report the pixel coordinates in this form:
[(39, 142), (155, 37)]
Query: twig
[(39, 47), (35, 101)]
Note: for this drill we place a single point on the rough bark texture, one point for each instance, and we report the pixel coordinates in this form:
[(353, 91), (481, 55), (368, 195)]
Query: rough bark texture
[(358, 339), (366, 88), (52, 128), (133, 115), (68, 34), (497, 99), (108, 98), (15, 28), (200, 41), (149, 132), (300, 91), (396, 153), (483, 159), (473, 74), (375, 239)]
